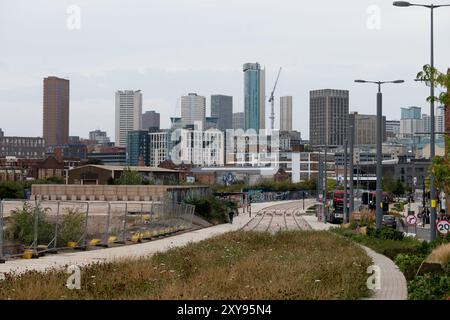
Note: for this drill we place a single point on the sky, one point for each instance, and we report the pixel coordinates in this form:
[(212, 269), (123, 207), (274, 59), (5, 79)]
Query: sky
[(169, 48)]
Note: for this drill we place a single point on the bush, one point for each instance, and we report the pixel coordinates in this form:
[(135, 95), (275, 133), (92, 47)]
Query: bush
[(21, 226), (71, 227), (429, 287), (385, 233), (212, 209), (409, 264)]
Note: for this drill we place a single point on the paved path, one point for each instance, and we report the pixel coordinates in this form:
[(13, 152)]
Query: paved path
[(82, 258), (393, 282)]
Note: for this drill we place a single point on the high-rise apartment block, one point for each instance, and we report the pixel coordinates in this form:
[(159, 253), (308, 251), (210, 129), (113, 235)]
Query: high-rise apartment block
[(56, 111), (193, 110), (222, 109), (328, 117), (128, 114), (254, 96), (286, 113), (151, 121)]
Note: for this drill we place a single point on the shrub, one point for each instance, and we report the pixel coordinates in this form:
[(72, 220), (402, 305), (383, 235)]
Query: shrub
[(71, 227), (429, 287), (21, 226), (385, 233), (212, 209), (409, 264)]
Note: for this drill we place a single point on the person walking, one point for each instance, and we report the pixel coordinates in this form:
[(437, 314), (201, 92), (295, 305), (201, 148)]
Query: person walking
[(231, 215)]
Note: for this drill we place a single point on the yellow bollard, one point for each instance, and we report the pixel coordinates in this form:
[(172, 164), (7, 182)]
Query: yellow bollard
[(112, 239), (71, 244), (27, 254)]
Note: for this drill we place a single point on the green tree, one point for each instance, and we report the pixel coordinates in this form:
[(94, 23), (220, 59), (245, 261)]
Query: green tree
[(129, 177), (440, 167)]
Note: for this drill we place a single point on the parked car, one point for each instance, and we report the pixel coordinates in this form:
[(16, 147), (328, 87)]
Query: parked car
[(389, 221)]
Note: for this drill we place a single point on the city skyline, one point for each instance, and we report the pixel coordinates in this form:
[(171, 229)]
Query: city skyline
[(165, 75)]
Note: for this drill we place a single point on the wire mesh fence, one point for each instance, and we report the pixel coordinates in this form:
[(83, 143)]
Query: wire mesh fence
[(30, 229)]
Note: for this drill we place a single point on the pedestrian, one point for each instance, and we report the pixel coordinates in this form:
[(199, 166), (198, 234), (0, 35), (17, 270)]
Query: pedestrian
[(231, 215)]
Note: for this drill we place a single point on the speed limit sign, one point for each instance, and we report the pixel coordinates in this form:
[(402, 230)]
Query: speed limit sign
[(443, 227)]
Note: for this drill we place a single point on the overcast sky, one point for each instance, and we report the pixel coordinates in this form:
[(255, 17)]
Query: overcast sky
[(168, 48)]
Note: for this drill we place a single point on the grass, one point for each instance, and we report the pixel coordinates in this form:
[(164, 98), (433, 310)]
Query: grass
[(388, 247), (440, 255), (238, 265)]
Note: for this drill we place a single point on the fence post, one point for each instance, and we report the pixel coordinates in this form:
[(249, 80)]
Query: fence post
[(56, 227), (86, 226), (36, 222), (106, 234), (124, 223), (2, 260)]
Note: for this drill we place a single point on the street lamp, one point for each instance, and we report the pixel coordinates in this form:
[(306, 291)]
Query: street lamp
[(379, 191), (432, 126)]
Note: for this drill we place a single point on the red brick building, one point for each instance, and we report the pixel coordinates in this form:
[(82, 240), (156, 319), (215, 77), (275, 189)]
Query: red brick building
[(56, 111)]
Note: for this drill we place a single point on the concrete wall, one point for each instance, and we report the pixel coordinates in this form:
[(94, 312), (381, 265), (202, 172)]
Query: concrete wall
[(110, 192)]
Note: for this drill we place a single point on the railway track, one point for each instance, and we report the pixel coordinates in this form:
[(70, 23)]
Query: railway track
[(279, 217)]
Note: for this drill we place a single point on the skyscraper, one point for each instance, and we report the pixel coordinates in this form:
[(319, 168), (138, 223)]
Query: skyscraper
[(193, 109), (286, 113), (366, 128), (222, 108), (138, 148), (254, 96), (328, 117), (238, 120), (56, 111), (151, 120), (411, 113), (411, 122), (128, 114)]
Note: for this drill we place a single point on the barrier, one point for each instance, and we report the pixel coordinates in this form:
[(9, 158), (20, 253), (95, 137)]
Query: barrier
[(29, 229)]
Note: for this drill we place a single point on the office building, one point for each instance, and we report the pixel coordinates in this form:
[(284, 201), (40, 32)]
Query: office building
[(238, 120), (114, 156), (328, 117), (138, 148), (56, 111), (365, 127), (128, 114), (222, 109), (392, 128), (151, 121), (411, 113), (193, 110), (22, 147), (439, 121), (100, 137), (286, 113), (254, 96)]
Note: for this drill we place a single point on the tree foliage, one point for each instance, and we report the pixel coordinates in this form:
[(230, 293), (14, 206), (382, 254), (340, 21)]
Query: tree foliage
[(129, 177)]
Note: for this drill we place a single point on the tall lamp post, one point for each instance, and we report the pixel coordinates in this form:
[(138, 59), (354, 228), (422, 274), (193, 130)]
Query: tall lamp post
[(433, 193), (379, 192)]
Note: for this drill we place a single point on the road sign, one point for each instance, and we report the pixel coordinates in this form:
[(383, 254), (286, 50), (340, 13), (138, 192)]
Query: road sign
[(411, 220), (443, 227)]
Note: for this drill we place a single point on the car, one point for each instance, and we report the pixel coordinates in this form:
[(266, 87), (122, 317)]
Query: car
[(389, 221)]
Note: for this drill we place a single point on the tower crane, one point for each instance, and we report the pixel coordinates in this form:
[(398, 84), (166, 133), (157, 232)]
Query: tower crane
[(272, 101)]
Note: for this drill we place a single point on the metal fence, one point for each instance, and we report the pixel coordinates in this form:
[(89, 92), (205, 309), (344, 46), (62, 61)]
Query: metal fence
[(31, 229)]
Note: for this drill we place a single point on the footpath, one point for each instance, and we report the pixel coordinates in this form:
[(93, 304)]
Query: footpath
[(83, 258)]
